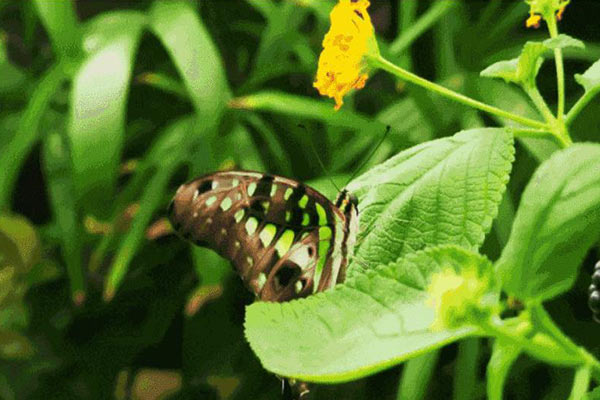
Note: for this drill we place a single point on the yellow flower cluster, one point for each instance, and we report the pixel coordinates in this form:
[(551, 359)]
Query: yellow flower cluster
[(539, 9), (341, 65)]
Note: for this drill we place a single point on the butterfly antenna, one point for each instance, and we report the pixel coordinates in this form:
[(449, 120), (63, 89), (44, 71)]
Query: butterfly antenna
[(325, 171), (357, 170)]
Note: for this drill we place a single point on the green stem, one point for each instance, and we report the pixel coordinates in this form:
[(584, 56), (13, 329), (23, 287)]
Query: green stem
[(538, 344), (380, 62), (529, 132), (416, 376), (557, 128), (579, 105), (581, 383), (542, 321), (560, 73), (539, 102)]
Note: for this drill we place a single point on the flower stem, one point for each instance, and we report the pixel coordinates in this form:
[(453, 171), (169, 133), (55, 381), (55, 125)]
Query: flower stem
[(560, 73), (581, 383), (380, 62)]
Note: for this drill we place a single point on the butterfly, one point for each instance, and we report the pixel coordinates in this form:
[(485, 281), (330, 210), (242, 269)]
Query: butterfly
[(285, 239), (594, 293)]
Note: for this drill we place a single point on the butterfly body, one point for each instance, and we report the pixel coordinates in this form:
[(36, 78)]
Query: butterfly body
[(285, 239)]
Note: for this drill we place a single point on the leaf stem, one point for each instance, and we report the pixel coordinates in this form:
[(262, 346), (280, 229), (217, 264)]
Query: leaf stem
[(560, 73), (579, 105), (380, 62), (581, 383), (539, 102)]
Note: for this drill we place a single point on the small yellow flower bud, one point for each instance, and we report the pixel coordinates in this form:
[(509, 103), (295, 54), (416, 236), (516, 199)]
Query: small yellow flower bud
[(545, 9)]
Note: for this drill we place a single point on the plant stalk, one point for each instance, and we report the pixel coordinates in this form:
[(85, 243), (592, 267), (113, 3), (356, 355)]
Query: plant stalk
[(380, 62)]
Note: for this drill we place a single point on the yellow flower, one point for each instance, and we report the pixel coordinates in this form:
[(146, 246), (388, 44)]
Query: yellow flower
[(545, 9), (342, 66), (533, 20)]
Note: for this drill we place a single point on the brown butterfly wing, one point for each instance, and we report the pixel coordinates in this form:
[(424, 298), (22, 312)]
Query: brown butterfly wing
[(255, 221)]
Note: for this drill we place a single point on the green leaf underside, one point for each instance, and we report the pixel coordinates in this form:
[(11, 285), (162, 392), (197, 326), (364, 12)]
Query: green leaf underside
[(590, 79), (445, 191), (375, 320), (522, 70), (557, 221), (563, 41)]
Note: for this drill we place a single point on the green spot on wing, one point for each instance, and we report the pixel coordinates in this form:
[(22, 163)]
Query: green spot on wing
[(285, 242), (322, 214), (305, 219), (251, 188), (251, 225), (267, 234), (303, 201), (239, 215), (210, 201), (226, 204), (288, 193)]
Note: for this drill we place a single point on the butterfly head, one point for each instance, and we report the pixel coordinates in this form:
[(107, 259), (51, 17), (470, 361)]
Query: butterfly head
[(347, 202)]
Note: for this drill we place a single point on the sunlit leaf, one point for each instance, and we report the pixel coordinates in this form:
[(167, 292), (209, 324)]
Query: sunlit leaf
[(98, 106), (444, 191), (375, 320)]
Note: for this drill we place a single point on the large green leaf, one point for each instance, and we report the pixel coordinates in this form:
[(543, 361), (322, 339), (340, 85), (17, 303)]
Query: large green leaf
[(98, 105), (375, 320), (557, 221), (445, 191)]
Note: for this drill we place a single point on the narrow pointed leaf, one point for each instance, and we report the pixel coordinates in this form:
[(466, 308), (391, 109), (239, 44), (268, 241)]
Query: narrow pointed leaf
[(28, 132), (196, 57)]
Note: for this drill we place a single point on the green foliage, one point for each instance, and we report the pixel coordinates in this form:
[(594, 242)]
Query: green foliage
[(441, 192), (556, 223), (107, 108), (375, 320)]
